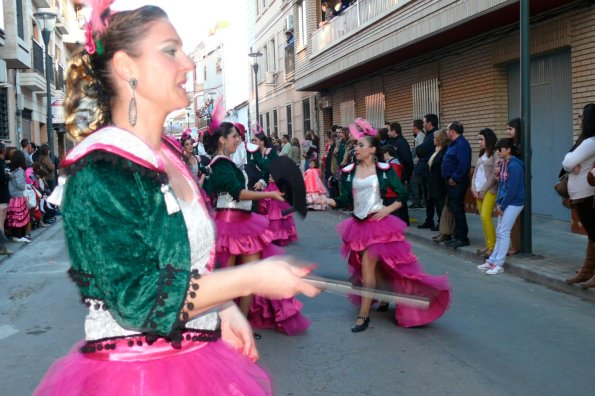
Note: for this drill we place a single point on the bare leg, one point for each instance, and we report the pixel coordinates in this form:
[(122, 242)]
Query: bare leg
[(369, 277)]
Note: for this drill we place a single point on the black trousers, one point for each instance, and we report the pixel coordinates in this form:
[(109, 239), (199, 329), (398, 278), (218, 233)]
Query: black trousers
[(456, 202)]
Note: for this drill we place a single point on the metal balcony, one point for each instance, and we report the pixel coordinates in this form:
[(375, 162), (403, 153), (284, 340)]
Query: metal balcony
[(352, 20)]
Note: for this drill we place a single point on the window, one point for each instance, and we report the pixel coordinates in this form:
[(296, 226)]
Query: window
[(347, 112), (260, 123), (271, 56), (4, 114), (306, 114), (275, 123), (20, 27), (302, 23), (268, 128), (375, 109), (426, 98), (289, 121)]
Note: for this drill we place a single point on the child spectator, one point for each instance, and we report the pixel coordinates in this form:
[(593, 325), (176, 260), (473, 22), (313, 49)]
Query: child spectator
[(18, 213), (315, 191), (390, 157), (509, 204)]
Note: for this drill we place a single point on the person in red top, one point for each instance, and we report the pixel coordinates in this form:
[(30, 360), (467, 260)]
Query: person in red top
[(390, 157)]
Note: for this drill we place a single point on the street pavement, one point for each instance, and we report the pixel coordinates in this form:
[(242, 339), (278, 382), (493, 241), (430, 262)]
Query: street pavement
[(502, 335)]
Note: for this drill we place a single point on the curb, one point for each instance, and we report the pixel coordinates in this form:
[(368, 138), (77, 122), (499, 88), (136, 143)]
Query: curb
[(535, 268), (38, 234)]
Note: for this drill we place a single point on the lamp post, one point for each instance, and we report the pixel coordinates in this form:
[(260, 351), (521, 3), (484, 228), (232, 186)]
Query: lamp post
[(187, 118), (46, 20), (255, 56)]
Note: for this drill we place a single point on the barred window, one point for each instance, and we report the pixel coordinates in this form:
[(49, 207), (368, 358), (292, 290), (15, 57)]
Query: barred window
[(426, 98), (4, 114), (375, 109)]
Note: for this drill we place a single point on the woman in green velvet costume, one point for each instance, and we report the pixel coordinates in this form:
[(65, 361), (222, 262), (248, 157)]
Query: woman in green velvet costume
[(140, 239)]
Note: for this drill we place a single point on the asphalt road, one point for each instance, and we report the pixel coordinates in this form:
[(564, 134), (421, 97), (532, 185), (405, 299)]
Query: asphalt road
[(501, 336)]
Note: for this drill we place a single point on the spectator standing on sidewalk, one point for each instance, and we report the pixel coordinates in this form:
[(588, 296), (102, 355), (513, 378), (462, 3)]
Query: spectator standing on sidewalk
[(509, 204), (513, 131), (18, 213), (484, 187), (437, 186), (27, 150), (296, 152), (415, 186), (455, 170), (396, 139), (4, 198), (579, 163), (426, 149), (47, 164), (390, 157), (286, 146)]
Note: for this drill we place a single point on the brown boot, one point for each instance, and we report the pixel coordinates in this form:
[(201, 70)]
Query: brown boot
[(588, 267)]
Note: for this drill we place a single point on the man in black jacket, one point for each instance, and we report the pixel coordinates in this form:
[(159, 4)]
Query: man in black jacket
[(396, 139), (428, 148)]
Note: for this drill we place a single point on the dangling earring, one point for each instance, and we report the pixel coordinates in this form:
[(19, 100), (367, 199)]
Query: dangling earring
[(132, 113)]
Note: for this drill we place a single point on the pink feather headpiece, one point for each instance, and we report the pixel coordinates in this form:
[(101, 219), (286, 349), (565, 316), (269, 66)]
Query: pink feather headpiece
[(258, 130), (361, 128), (97, 25), (217, 115)]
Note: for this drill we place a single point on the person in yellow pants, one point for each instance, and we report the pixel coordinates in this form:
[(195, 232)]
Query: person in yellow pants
[(484, 187)]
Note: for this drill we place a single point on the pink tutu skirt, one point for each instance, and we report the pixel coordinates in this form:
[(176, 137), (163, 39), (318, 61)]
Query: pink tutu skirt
[(246, 233), (282, 226), (17, 214), (385, 241), (211, 368)]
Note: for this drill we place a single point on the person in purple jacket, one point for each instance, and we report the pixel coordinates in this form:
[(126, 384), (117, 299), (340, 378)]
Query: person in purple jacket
[(509, 204)]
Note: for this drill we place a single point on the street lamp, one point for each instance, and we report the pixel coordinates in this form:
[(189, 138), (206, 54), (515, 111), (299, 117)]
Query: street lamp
[(255, 56), (46, 20), (187, 118)]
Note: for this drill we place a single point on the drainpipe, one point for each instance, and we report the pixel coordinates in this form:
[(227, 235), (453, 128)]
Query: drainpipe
[(526, 224)]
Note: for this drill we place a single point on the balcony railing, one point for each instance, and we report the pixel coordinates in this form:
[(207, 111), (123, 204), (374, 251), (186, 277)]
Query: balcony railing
[(289, 59), (353, 19), (38, 64)]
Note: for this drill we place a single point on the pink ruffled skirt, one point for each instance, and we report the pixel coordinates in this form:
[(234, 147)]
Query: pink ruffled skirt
[(211, 368), (385, 240), (17, 214), (282, 226), (246, 233)]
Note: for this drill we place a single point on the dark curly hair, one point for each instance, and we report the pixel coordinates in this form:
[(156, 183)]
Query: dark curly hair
[(211, 141)]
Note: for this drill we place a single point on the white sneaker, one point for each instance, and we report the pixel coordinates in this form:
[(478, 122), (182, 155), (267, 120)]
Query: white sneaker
[(495, 271), (485, 266), (21, 240)]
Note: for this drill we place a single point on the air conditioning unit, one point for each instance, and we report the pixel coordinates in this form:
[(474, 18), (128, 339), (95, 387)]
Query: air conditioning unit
[(289, 22), (3, 73), (269, 77)]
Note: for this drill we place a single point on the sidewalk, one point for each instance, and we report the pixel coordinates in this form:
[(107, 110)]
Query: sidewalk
[(557, 252), (35, 234)]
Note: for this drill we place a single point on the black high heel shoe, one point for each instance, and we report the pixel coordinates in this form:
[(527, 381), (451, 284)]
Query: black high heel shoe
[(361, 327)]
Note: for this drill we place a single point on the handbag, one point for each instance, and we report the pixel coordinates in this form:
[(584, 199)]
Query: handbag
[(31, 197), (561, 186)]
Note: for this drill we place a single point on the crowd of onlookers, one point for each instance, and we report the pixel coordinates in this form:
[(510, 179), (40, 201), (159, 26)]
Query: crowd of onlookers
[(27, 177)]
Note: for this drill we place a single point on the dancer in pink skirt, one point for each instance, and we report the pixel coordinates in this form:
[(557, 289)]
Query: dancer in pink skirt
[(282, 226), (374, 241), (243, 236), (140, 240)]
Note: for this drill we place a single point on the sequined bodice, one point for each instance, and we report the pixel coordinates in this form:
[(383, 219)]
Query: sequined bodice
[(366, 196)]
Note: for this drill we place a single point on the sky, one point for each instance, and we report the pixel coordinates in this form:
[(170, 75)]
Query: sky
[(192, 19)]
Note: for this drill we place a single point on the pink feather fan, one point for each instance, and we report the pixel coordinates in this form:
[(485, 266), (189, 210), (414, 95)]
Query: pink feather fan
[(217, 115)]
